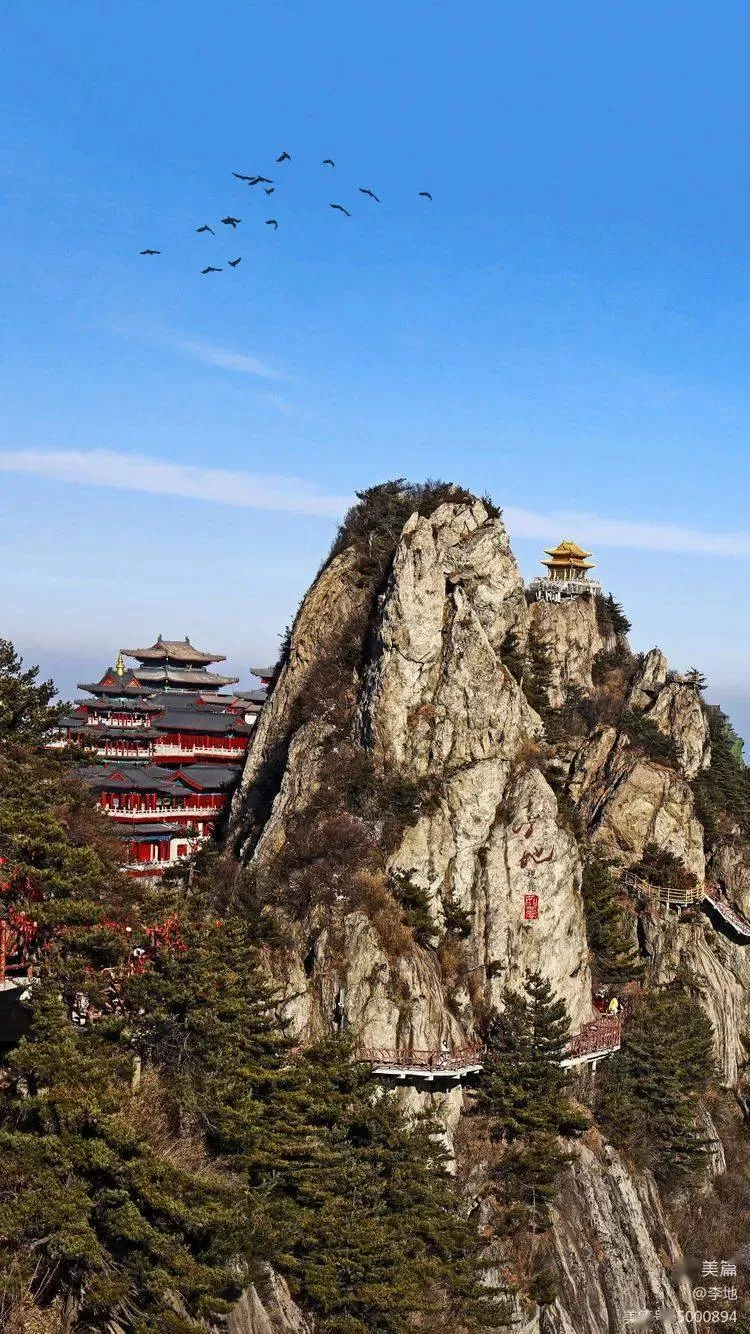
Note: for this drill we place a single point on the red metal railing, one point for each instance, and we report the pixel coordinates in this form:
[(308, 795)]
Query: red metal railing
[(410, 1058), (604, 1034)]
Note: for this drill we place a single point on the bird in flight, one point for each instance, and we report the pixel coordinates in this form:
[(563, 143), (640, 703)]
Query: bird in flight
[(271, 222), (234, 262), (268, 190), (284, 157), (206, 228), (240, 177), (231, 222), (151, 252), (425, 194), (369, 192), (210, 269), (341, 209), (328, 162)]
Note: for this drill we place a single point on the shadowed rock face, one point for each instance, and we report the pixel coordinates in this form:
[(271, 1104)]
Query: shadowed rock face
[(430, 701)]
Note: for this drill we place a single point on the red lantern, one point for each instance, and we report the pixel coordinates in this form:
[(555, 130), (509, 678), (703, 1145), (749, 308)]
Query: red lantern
[(531, 907)]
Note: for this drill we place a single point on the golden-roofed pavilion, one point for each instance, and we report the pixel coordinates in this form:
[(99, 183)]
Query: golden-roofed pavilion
[(568, 561), (567, 574)]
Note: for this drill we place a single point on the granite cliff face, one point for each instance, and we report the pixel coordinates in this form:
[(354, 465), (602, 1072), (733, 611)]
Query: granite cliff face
[(437, 706), (428, 695)]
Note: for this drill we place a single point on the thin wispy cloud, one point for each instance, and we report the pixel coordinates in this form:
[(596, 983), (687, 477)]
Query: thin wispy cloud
[(211, 354), (136, 472), (636, 534), (223, 357)]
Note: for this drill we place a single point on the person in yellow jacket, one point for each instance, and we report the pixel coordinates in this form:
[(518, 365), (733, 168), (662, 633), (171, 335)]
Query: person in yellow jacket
[(614, 1006)]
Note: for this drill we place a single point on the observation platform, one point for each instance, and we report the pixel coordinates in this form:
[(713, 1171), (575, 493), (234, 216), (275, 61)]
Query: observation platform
[(597, 1040), (556, 590), (412, 1063)]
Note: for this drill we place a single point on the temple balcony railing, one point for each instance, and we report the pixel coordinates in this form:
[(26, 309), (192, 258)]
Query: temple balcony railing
[(162, 812), (554, 590), (166, 752)]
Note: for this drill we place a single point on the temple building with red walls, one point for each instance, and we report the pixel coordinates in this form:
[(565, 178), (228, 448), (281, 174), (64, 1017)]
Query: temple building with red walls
[(170, 748)]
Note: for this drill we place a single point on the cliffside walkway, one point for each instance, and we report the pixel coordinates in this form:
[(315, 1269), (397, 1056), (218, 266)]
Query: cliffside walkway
[(735, 920), (703, 895), (601, 1038), (666, 894), (412, 1063), (597, 1040)]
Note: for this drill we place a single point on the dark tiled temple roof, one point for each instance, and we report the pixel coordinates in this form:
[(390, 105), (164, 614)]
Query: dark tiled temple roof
[(113, 691), (252, 696), (210, 777), (85, 729), (114, 777), (124, 778), (263, 672), (142, 704), (176, 650), (179, 676), (190, 720)]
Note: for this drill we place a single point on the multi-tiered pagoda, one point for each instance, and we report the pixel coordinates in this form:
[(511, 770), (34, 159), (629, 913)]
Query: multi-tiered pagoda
[(173, 664), (567, 575), (169, 746)]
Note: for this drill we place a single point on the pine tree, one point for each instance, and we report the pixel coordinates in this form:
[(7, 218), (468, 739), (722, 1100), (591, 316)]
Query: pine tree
[(26, 714), (91, 1209), (364, 1221), (647, 1098), (524, 1094), (607, 926)]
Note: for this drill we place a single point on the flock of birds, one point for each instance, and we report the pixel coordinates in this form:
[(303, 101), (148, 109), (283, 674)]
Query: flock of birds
[(269, 188)]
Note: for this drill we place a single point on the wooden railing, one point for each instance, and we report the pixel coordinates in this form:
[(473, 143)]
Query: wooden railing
[(666, 894), (683, 898)]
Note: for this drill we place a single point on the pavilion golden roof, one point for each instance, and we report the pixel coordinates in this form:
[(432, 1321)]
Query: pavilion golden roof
[(568, 554)]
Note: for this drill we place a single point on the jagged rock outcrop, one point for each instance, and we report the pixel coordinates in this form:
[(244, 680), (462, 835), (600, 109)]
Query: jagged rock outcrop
[(627, 801), (730, 867), (272, 1313), (570, 632), (648, 680), (721, 969), (675, 707)]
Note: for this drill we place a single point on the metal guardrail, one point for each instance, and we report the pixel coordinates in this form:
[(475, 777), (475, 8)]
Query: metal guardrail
[(430, 1061), (599, 1038), (683, 898)]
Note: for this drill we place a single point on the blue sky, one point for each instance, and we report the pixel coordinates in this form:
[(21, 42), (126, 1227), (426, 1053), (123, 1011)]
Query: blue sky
[(565, 326)]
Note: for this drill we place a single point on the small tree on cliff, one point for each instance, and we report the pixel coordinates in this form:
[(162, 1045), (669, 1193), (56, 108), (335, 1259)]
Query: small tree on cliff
[(524, 1092), (608, 925)]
